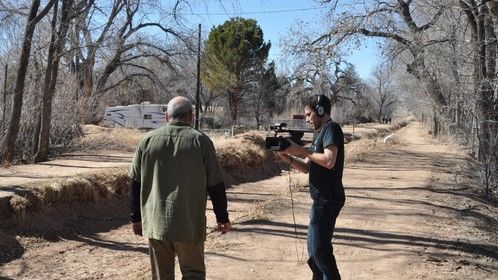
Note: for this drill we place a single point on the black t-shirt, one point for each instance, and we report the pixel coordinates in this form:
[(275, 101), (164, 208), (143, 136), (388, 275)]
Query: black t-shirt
[(327, 183)]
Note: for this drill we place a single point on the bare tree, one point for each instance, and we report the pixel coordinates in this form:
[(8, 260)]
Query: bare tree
[(420, 32), (481, 17), (103, 50), (8, 145), (57, 41), (121, 30), (383, 92)]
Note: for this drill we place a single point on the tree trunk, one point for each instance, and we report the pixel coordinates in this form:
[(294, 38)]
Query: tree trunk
[(492, 77), (8, 146), (234, 98), (4, 95), (40, 130), (37, 103), (57, 42), (435, 123)]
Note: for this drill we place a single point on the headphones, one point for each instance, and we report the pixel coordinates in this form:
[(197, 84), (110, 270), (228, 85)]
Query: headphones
[(322, 105)]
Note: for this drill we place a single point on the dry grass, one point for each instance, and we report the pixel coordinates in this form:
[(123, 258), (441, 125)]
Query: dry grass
[(359, 150), (234, 153), (19, 205), (85, 188), (298, 182), (81, 188), (261, 211), (103, 138), (244, 157)]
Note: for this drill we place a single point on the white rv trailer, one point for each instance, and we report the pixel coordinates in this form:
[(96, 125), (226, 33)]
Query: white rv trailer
[(144, 116)]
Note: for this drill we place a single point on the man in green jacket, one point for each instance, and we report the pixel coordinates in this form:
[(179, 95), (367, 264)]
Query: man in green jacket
[(173, 169)]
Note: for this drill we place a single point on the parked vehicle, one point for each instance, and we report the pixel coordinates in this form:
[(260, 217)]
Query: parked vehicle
[(142, 116)]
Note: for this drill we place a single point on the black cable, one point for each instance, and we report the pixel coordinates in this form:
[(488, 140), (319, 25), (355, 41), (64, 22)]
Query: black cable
[(294, 220)]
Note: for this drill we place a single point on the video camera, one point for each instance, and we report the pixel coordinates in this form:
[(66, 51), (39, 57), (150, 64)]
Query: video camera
[(280, 143)]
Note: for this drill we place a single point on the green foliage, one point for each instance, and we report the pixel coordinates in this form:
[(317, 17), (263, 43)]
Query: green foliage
[(234, 52), (215, 75), (237, 44), (270, 85)]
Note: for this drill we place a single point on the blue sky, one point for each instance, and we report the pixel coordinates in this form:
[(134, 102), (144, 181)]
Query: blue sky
[(275, 17)]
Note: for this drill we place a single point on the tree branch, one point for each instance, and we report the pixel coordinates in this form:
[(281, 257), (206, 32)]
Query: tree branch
[(346, 98), (404, 9), (44, 12), (12, 10), (128, 78), (154, 24), (432, 22), (381, 34)]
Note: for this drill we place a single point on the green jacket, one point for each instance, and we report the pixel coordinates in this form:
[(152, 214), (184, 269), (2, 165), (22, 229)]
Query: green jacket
[(175, 164)]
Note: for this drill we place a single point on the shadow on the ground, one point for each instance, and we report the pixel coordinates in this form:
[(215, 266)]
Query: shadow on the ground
[(10, 248), (78, 222), (354, 237), (371, 238), (100, 157), (480, 217)]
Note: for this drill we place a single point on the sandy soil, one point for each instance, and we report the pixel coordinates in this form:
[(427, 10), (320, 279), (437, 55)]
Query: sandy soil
[(405, 218)]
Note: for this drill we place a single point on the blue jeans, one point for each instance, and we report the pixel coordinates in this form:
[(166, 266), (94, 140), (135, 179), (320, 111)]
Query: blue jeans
[(323, 214)]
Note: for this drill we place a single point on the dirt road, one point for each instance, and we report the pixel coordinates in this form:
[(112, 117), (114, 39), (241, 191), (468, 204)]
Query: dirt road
[(404, 218)]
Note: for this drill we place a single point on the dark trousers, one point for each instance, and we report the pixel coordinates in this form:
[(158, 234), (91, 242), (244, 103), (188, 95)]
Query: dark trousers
[(322, 262)]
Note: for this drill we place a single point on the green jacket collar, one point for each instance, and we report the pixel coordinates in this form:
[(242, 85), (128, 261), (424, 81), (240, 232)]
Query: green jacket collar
[(178, 123)]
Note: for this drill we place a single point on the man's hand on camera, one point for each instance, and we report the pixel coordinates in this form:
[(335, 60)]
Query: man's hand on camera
[(294, 149), (285, 157)]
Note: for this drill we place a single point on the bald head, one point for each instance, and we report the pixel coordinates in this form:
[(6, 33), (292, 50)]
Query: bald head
[(179, 109)]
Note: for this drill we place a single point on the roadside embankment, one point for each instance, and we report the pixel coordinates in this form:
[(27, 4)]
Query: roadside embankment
[(243, 158)]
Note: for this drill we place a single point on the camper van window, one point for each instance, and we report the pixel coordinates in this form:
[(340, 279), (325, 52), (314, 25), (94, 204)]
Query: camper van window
[(147, 117)]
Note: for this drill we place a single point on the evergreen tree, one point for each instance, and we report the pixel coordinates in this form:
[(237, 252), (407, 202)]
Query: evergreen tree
[(235, 50)]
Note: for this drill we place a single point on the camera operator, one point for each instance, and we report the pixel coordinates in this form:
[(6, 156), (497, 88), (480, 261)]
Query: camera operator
[(324, 163)]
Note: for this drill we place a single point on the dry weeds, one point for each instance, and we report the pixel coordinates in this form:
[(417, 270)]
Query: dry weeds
[(82, 188), (19, 205), (261, 211), (243, 158), (359, 150), (103, 138)]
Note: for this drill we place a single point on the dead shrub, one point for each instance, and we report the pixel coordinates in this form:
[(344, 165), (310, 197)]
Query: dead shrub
[(358, 151), (261, 211), (85, 188), (244, 157), (19, 205), (104, 138), (69, 190)]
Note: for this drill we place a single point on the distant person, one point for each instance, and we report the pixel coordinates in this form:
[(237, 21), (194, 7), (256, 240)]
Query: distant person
[(324, 162), (174, 168)]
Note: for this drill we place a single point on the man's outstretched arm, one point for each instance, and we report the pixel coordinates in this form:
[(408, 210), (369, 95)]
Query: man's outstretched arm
[(218, 197), (135, 213)]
